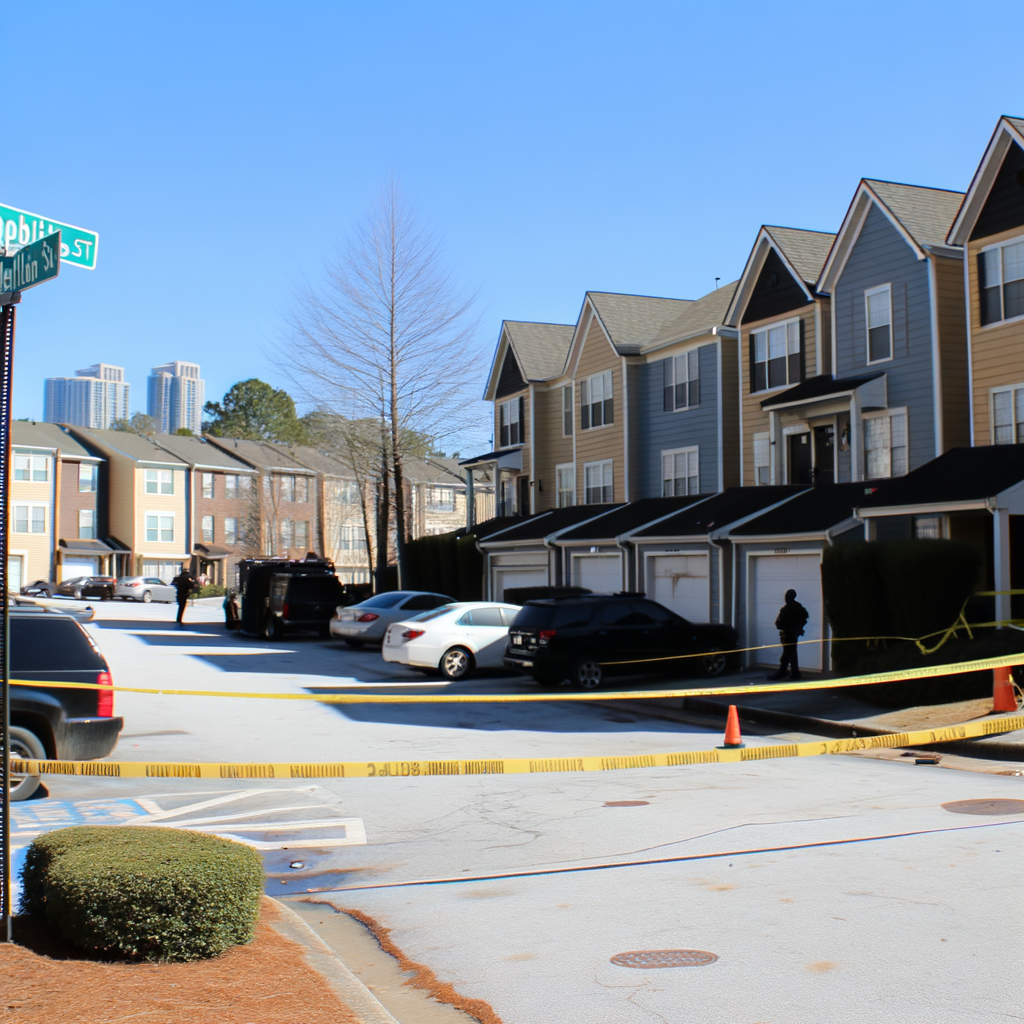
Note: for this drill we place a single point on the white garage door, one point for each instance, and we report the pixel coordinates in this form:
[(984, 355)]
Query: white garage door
[(72, 567), (680, 582), (771, 577), (600, 573), (506, 579)]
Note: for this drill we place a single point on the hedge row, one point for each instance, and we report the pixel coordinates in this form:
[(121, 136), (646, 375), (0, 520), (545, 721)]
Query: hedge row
[(144, 893), (445, 563)]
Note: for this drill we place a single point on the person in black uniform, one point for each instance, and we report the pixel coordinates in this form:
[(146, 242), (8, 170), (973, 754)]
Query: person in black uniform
[(790, 623), (183, 584)]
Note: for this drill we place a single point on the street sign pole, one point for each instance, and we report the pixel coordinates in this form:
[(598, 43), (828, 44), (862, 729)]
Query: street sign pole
[(6, 366)]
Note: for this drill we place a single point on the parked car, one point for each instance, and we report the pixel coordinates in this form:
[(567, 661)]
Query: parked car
[(145, 589), (365, 623), (299, 602), (46, 722), (454, 639), (40, 588), (86, 587), (576, 639)]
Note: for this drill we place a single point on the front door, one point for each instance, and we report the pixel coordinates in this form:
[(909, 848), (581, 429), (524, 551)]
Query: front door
[(798, 452), (824, 459)]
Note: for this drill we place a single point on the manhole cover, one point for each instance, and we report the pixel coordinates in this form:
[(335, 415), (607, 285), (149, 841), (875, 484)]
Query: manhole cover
[(647, 958), (626, 803), (985, 806)]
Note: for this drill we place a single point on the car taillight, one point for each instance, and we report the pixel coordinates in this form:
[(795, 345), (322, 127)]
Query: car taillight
[(367, 617), (546, 634), (411, 634), (284, 611), (105, 701), (133, 584)]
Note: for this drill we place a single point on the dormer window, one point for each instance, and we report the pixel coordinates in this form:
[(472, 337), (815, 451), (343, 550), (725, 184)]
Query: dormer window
[(878, 309), (1001, 282)]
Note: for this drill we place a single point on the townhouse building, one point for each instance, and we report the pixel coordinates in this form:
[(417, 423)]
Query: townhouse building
[(439, 499)]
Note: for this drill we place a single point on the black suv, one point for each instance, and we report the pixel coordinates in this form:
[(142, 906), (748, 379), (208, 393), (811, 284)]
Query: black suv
[(299, 602), (46, 721), (580, 639)]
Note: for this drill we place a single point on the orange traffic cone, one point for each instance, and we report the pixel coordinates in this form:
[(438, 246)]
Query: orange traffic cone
[(732, 730), (1003, 696)]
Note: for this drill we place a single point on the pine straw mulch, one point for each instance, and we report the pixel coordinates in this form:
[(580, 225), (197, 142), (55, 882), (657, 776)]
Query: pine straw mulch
[(44, 981)]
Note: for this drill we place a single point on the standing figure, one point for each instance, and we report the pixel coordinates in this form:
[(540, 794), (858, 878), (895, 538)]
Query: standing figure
[(790, 623), (183, 584)]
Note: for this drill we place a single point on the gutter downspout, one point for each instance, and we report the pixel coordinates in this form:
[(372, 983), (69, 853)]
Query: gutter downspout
[(933, 298)]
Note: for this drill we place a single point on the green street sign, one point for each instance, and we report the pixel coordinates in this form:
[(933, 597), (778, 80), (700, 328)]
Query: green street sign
[(19, 227), (31, 265)]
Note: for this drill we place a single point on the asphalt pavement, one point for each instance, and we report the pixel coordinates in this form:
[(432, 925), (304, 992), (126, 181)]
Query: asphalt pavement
[(827, 887)]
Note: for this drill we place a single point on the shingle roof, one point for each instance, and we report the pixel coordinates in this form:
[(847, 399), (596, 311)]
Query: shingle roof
[(634, 321), (439, 471), (961, 474), (819, 387), (543, 525), (718, 512), (814, 511), (197, 451), (48, 435), (484, 530), (263, 454), (629, 517), (313, 458), (926, 213), (698, 317), (540, 348), (129, 444), (805, 250)]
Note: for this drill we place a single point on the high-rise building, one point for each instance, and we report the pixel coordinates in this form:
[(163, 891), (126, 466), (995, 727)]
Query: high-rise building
[(95, 397), (176, 394)]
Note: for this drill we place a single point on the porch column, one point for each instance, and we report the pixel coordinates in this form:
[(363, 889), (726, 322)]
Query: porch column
[(856, 439), (1001, 561), (470, 501), (775, 439)]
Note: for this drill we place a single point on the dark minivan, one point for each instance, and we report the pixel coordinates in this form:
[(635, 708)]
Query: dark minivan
[(49, 722), (582, 638)]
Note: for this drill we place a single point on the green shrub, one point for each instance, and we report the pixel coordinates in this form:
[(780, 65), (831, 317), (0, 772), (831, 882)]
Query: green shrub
[(445, 563), (209, 590), (144, 893)]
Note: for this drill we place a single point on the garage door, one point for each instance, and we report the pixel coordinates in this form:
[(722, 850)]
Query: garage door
[(600, 573), (680, 582), (507, 579), (72, 567), (771, 577)]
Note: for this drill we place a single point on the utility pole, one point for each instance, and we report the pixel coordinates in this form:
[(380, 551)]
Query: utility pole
[(6, 365)]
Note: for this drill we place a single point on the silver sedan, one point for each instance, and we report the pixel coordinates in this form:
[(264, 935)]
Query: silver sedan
[(144, 589), (365, 623)]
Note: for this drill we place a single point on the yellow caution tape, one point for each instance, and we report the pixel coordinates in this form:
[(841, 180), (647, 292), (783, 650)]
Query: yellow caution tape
[(897, 675), (512, 766)]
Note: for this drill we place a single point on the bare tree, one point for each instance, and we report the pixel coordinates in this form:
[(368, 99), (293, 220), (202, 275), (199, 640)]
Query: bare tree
[(389, 336)]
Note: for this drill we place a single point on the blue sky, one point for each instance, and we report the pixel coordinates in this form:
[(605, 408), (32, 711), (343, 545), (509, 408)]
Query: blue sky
[(223, 150)]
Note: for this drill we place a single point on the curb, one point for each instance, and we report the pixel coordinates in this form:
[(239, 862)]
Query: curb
[(352, 992)]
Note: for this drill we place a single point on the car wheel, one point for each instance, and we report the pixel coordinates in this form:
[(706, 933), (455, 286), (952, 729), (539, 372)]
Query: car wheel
[(27, 746), (272, 628), (456, 663), (587, 674), (713, 663), (147, 596), (353, 643), (77, 595)]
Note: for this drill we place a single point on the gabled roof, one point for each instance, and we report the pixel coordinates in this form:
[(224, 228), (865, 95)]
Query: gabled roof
[(262, 454), (959, 475), (537, 527), (701, 316), (540, 351), (634, 321), (128, 444), (1009, 130), (313, 458), (716, 513), (628, 517), (197, 451), (814, 511), (49, 435), (923, 217), (803, 252)]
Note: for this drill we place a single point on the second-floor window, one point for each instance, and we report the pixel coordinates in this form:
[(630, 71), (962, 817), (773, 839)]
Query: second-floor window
[(598, 485), (510, 425), (1008, 415), (288, 489), (567, 411), (776, 356), (565, 485), (32, 467), (353, 538), (230, 530), (680, 472), (88, 474), (440, 499), (159, 529), (236, 486), (159, 481), (597, 404), (208, 491), (682, 383), (207, 529), (885, 444), (1001, 282), (86, 524), (762, 458), (30, 519), (348, 492), (878, 309)]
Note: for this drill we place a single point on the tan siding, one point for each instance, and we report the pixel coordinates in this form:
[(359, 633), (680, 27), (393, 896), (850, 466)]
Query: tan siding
[(949, 282), (121, 498), (161, 503), (35, 549), (729, 385), (997, 352), (755, 419), (604, 442), (551, 447)]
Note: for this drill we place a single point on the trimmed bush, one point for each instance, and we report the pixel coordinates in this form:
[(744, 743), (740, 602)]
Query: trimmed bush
[(209, 590), (445, 563), (144, 893)]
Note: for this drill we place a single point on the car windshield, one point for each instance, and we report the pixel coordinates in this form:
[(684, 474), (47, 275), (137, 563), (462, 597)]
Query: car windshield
[(385, 600)]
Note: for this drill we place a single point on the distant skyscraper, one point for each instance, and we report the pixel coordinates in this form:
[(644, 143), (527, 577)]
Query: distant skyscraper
[(95, 397), (176, 394)]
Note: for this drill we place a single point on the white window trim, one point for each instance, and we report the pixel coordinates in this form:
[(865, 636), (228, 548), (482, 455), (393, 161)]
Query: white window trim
[(680, 451), (765, 328), (900, 411), (766, 437), (31, 455), (509, 404), (672, 361), (31, 505), (158, 492), (590, 390), (571, 467), (610, 463), (158, 513), (563, 388), (1016, 240), (867, 329), (992, 392)]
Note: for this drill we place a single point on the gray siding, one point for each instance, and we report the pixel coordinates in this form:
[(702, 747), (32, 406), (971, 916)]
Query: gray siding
[(881, 256), (659, 431)]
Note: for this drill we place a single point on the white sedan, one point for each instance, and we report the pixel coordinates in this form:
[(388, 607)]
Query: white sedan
[(453, 640)]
